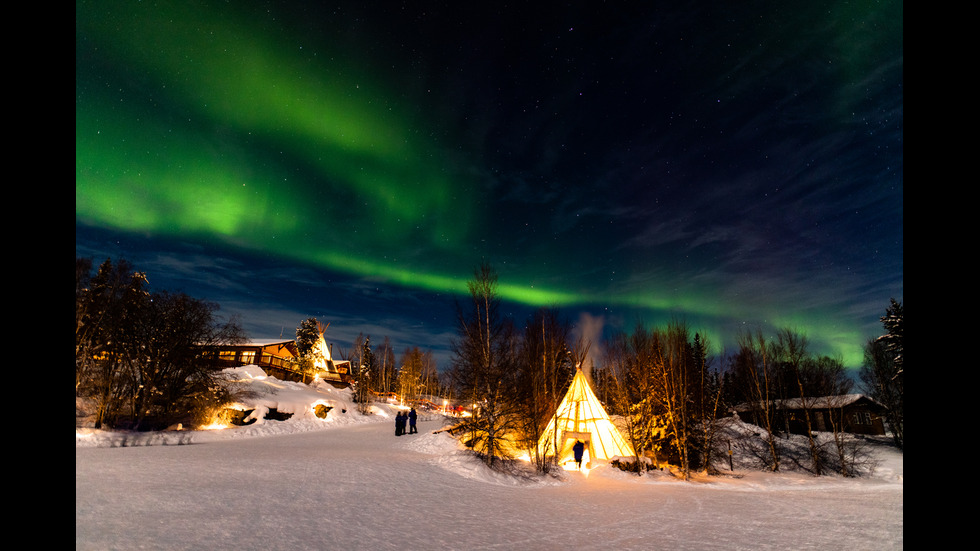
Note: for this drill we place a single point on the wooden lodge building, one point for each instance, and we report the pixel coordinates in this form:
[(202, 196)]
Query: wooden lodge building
[(855, 413), (277, 358)]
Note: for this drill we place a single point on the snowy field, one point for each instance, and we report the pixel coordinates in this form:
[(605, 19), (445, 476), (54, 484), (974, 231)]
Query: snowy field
[(348, 482)]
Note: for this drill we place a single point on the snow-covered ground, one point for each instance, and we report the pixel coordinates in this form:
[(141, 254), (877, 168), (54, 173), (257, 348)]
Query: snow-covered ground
[(347, 482)]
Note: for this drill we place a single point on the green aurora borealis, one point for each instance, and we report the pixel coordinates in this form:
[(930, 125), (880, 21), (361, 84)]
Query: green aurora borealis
[(183, 176), (323, 138)]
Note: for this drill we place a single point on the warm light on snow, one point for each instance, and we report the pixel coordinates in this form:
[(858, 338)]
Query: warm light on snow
[(427, 491), (215, 425)]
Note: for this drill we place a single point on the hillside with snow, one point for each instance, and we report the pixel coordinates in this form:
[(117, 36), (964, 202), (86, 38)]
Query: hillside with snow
[(347, 482)]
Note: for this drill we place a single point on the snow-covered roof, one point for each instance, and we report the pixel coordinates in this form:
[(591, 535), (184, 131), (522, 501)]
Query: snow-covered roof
[(265, 342), (817, 402)]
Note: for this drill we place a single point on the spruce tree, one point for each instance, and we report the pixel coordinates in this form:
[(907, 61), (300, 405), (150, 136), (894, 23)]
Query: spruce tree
[(307, 335), (882, 373), (362, 377), (894, 334), (307, 339)]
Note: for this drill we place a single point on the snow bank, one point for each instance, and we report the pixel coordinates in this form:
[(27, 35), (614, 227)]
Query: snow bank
[(262, 393)]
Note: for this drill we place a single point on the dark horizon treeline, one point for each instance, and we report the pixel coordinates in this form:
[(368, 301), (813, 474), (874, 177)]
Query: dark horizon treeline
[(139, 360), (660, 381), (138, 354), (375, 370)]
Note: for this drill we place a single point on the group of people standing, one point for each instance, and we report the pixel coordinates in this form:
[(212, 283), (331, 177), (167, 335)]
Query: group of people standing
[(402, 418)]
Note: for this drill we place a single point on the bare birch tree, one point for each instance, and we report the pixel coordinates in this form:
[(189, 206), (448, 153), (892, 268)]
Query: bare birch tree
[(628, 361), (483, 362), (385, 369), (544, 370), (791, 352), (410, 375), (754, 361)]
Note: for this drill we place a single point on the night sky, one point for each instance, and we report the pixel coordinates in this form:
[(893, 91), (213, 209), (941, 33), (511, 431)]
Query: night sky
[(733, 165)]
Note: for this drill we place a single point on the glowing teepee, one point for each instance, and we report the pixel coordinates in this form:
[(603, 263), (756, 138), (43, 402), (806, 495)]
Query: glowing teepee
[(321, 352), (580, 416)]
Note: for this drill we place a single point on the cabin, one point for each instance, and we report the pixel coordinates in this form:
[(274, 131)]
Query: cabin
[(853, 413), (277, 357)]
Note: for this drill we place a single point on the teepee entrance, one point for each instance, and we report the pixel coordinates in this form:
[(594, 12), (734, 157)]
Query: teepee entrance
[(580, 417)]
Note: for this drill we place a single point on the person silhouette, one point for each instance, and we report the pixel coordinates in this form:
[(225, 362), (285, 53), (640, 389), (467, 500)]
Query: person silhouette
[(400, 419), (578, 448)]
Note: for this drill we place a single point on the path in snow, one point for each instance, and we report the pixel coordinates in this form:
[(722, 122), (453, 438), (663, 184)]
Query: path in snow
[(361, 487)]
